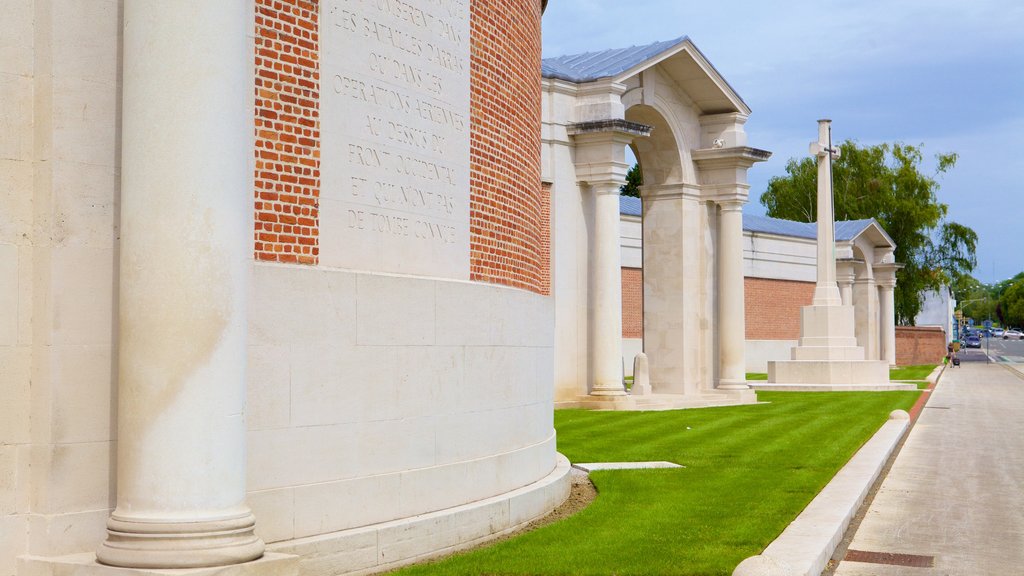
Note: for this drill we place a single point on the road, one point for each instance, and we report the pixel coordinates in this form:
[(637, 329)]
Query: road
[(953, 502)]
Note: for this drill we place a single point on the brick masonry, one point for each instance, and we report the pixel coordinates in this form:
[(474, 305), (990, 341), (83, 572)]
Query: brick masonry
[(632, 303), (507, 221), (287, 119), (919, 345), (772, 307)]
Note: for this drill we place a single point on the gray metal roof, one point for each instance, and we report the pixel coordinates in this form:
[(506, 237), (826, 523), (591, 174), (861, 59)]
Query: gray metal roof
[(629, 205), (591, 66), (846, 230)]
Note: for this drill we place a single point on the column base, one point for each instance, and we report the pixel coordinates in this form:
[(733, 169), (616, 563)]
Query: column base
[(731, 384), (135, 544), (270, 564), (608, 392)]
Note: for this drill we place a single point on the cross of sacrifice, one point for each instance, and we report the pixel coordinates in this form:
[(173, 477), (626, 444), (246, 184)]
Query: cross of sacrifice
[(820, 148)]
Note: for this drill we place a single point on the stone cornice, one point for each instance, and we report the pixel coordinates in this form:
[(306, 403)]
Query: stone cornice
[(744, 156), (611, 125)]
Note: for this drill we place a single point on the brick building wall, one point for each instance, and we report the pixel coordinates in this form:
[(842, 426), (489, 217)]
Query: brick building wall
[(545, 238), (772, 307), (632, 303), (506, 207), (287, 119), (919, 345)]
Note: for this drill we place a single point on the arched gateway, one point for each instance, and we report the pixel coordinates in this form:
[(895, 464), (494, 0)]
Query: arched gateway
[(685, 125)]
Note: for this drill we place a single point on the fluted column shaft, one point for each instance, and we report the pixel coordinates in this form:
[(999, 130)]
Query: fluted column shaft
[(185, 243), (731, 322)]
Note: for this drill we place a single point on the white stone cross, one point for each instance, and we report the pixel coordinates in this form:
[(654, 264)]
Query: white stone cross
[(826, 291)]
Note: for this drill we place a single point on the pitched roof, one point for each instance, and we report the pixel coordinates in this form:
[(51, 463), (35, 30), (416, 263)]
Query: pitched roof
[(680, 59), (846, 230), (591, 66)]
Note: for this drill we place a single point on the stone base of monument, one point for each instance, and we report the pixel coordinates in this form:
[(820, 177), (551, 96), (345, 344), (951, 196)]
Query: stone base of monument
[(829, 376), (657, 401)]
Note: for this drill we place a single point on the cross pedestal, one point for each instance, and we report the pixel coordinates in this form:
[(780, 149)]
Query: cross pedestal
[(827, 357)]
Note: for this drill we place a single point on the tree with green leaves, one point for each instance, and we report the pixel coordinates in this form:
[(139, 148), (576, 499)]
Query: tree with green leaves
[(885, 182), (634, 180), (1011, 301)]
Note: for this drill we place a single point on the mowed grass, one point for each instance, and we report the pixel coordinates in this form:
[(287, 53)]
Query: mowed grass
[(919, 372), (750, 470)]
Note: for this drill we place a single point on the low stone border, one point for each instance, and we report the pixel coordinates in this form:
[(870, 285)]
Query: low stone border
[(805, 546), (592, 466)]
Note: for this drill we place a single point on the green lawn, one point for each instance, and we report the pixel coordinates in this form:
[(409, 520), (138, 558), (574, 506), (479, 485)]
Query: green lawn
[(749, 471), (904, 373), (919, 372)]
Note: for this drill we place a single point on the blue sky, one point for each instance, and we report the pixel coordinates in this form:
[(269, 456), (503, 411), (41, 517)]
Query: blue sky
[(946, 74)]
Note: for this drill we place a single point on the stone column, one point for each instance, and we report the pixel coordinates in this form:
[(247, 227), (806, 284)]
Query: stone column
[(606, 310), (185, 246), (845, 276), (600, 159), (731, 322), (887, 319)]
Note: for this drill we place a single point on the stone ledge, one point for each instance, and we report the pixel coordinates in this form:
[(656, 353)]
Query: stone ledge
[(270, 564), (707, 399), (389, 545), (805, 546), (770, 387)]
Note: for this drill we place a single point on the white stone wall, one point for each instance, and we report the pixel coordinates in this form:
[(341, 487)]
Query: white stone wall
[(376, 397), (937, 310), (779, 257), (571, 218), (58, 189), (372, 397)]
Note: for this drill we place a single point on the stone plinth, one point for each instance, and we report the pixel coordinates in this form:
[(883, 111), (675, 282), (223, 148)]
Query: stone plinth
[(662, 401)]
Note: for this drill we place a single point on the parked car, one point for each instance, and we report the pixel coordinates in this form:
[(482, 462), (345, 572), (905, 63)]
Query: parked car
[(973, 342), (1013, 333), (997, 332)]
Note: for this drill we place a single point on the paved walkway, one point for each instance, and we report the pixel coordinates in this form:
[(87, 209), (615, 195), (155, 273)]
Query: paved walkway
[(956, 491)]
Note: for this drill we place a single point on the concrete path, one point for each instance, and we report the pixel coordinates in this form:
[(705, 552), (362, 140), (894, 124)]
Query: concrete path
[(954, 498)]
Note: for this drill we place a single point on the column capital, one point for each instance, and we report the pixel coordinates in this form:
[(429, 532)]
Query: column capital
[(846, 269), (885, 274), (601, 150), (731, 205)]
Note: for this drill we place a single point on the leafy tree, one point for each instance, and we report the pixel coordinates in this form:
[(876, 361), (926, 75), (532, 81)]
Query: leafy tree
[(974, 299), (1011, 304), (634, 180), (1011, 300), (885, 182)]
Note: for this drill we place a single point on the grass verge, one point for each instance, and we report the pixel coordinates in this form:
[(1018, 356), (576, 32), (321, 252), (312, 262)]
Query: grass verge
[(757, 375), (919, 372), (749, 471)]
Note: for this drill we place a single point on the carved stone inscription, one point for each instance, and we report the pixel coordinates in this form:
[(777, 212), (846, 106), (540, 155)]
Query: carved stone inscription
[(395, 136)]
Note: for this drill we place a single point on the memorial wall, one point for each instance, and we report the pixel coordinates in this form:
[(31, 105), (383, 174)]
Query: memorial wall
[(400, 346), (395, 137)]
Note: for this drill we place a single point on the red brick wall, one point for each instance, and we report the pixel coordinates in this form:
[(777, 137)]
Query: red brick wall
[(545, 238), (632, 303), (506, 212), (287, 179), (919, 345), (772, 307)]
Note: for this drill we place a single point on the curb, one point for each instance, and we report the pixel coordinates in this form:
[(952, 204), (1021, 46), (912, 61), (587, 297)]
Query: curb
[(806, 545)]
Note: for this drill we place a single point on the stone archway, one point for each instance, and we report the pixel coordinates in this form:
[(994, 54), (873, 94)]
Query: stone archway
[(685, 125)]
